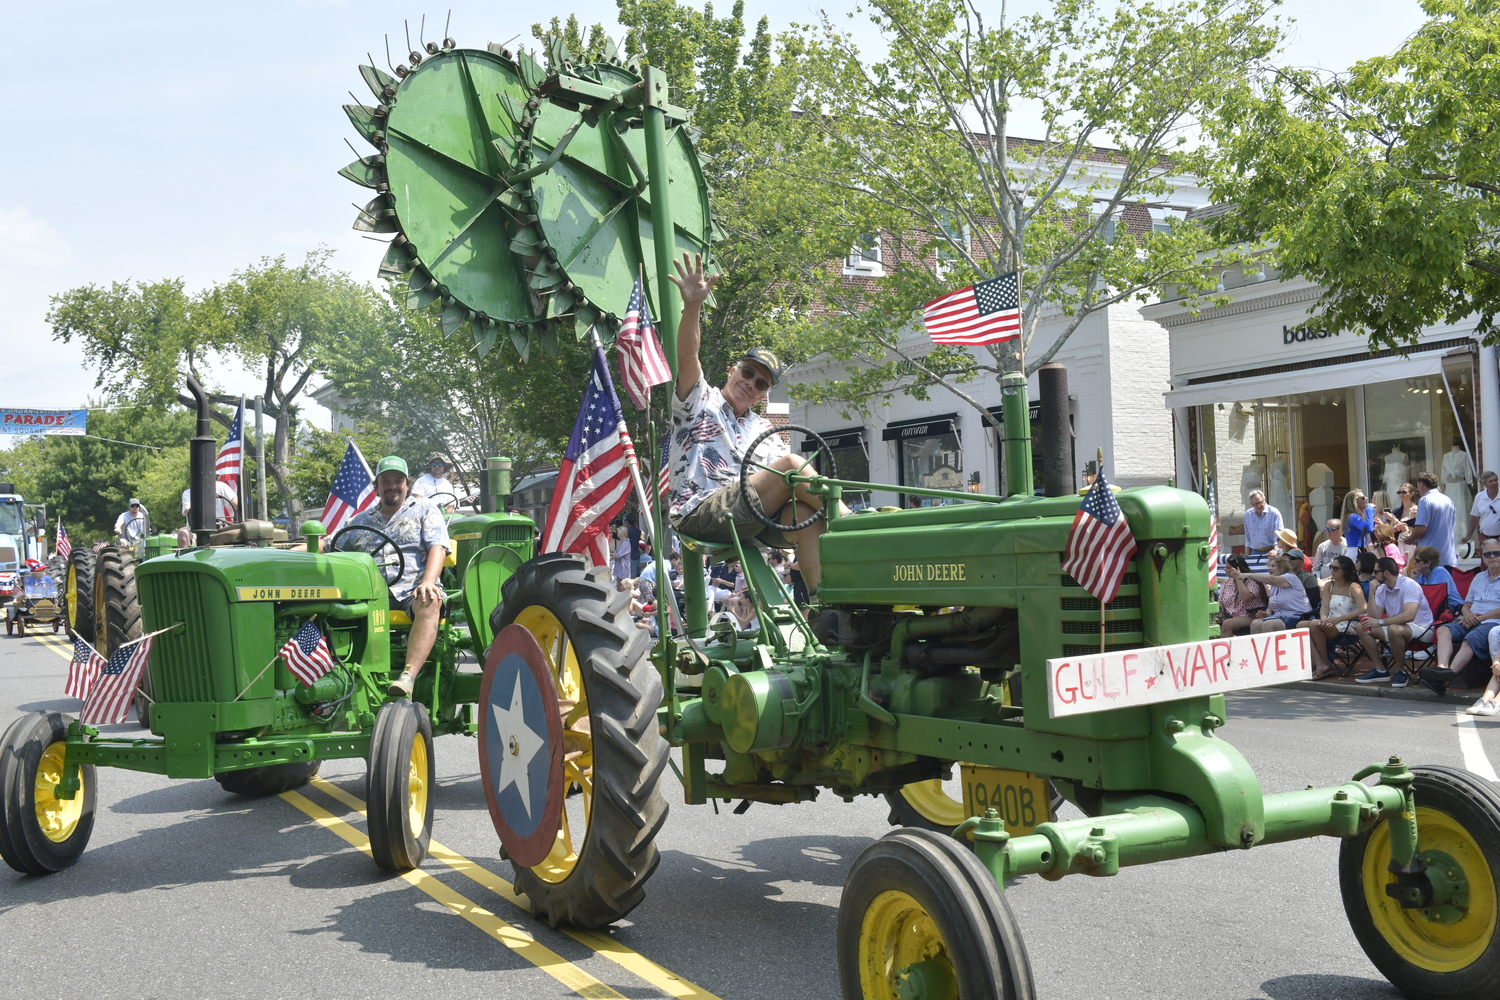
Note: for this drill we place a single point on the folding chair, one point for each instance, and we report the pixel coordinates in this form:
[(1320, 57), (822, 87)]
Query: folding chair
[(1437, 600)]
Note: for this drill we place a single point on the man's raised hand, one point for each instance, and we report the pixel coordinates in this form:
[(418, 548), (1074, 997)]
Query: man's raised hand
[(690, 279)]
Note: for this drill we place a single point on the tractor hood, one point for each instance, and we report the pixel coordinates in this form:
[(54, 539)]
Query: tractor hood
[(255, 574)]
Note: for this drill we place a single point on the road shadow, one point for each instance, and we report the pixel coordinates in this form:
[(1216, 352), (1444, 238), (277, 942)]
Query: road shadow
[(1313, 986), (68, 705)]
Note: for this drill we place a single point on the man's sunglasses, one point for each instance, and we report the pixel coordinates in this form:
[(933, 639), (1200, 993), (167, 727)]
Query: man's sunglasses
[(761, 385), (1491, 555)]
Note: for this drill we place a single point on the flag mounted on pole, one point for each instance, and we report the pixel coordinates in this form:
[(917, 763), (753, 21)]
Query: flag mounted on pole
[(1213, 533), (306, 653), (231, 460), (64, 547), (643, 363), (353, 489), (983, 313), (114, 689), (83, 670), (593, 481), (1100, 545), (664, 477)]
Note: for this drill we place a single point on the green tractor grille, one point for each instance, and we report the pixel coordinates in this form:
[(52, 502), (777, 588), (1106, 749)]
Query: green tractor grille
[(181, 658), (1081, 618)]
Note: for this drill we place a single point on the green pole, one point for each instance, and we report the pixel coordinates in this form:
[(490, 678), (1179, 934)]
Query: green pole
[(1017, 443), (668, 300)]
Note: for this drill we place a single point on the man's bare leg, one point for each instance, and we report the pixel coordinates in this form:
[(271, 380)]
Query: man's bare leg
[(1371, 648), (424, 623), (1444, 646), (1396, 636)]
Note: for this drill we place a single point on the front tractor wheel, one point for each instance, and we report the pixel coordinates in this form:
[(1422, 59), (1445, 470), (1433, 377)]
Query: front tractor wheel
[(39, 832), (921, 917), (398, 786), (613, 754), (1444, 952)]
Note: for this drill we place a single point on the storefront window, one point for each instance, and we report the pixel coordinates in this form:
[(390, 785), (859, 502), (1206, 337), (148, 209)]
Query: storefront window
[(935, 463), (854, 464)]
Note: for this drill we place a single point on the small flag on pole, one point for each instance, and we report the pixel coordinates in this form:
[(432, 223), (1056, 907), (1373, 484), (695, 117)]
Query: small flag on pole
[(353, 490), (593, 481), (83, 670), (1213, 534), (664, 477), (64, 547), (109, 699), (643, 364), (1100, 545), (306, 653), (984, 313), (231, 458)]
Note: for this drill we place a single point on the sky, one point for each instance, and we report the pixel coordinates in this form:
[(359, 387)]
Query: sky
[(162, 140)]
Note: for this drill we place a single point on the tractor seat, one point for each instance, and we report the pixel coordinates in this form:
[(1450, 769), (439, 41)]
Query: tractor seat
[(716, 551), (400, 619)]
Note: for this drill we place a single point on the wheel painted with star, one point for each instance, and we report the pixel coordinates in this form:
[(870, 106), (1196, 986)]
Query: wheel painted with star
[(612, 754)]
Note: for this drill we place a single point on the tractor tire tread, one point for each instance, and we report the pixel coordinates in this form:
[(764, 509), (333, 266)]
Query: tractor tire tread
[(272, 779)]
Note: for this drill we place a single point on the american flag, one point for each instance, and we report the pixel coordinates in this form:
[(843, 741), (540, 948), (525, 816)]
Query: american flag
[(231, 458), (83, 670), (642, 361), (593, 482), (1100, 545), (1213, 533), (306, 653), (109, 699), (353, 490), (64, 547), (664, 477), (985, 313)]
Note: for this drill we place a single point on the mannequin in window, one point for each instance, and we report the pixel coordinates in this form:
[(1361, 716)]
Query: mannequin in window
[(1279, 487), (1457, 477), (1251, 479), (1395, 470)]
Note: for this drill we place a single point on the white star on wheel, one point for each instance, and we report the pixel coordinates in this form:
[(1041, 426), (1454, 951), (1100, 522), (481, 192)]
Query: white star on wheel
[(519, 744)]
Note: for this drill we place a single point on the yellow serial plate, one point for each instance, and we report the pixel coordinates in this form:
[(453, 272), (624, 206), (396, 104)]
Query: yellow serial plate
[(466, 537), (1020, 797), (288, 593)]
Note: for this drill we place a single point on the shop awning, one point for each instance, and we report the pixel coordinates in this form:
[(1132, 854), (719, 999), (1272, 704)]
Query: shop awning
[(1332, 377), (850, 437), (944, 423)]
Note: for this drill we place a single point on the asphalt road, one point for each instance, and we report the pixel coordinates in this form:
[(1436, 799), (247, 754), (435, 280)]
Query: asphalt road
[(186, 891)]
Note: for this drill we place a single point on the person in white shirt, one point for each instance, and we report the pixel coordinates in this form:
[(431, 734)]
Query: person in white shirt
[(1399, 613), (434, 483), (130, 526), (1484, 515), (1328, 551)]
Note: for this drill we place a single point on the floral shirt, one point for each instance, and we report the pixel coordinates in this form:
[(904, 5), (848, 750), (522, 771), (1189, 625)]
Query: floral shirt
[(1229, 598), (708, 446), (416, 527)]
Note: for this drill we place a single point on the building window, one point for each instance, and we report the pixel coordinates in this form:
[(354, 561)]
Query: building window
[(953, 231), (864, 256), (851, 459)]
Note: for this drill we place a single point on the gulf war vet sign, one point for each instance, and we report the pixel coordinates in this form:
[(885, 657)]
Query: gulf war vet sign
[(1099, 682)]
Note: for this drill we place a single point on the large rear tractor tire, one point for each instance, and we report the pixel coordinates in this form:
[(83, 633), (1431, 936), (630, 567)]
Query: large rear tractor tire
[(39, 832), (273, 779), (398, 786), (920, 916), (78, 593), (614, 755), (117, 608), (1438, 953)]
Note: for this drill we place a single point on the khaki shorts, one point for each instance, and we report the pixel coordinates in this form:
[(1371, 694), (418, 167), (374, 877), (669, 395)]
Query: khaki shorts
[(710, 521)]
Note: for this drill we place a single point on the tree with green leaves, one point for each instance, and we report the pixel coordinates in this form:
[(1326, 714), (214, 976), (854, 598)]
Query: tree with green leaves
[(286, 321), (918, 149), (1381, 184)]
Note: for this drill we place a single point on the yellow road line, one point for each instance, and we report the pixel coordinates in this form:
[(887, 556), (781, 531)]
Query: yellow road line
[(516, 940), (56, 645), (606, 946)]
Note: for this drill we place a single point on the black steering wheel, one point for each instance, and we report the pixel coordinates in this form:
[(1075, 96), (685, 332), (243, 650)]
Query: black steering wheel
[(389, 542), (752, 498), (453, 498)]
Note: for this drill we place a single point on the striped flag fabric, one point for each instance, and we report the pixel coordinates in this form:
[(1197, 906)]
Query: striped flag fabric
[(983, 313), (306, 653), (110, 697), (664, 477), (83, 669), (64, 547), (1213, 533), (231, 461), (593, 481), (353, 489), (1100, 545), (643, 363)]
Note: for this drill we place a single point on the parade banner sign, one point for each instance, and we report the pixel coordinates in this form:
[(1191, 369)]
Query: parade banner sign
[(1099, 682), (14, 421)]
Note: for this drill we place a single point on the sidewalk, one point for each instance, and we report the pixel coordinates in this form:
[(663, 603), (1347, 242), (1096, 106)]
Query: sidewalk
[(1417, 692)]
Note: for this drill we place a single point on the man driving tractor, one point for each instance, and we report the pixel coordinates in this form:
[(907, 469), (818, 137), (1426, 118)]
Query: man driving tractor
[(416, 526), (711, 428)]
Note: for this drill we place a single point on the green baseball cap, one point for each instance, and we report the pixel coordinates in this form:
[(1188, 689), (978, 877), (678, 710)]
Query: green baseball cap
[(391, 463)]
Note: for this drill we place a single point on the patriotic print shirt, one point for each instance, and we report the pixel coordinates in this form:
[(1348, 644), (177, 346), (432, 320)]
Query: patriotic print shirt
[(417, 526), (708, 446)]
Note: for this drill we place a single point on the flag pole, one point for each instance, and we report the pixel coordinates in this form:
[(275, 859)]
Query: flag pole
[(1099, 466)]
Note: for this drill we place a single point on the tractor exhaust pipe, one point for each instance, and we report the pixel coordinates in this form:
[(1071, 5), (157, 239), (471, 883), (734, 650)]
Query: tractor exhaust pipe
[(203, 453), (1055, 433)]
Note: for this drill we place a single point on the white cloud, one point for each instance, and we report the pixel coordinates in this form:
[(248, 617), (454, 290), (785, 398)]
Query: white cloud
[(29, 241)]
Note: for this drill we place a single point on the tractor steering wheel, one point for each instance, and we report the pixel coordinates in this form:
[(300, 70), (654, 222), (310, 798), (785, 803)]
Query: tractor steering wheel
[(382, 566), (452, 499), (752, 498)]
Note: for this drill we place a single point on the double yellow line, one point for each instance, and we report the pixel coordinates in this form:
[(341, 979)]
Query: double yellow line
[(514, 938)]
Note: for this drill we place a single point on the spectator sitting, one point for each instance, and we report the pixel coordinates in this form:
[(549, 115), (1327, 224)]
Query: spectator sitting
[(1476, 619), (1365, 561), (1239, 597), (1399, 614), (1343, 604), (1330, 549), (1286, 541), (1302, 569), (1359, 519), (1287, 603), (1385, 545), (1425, 569)]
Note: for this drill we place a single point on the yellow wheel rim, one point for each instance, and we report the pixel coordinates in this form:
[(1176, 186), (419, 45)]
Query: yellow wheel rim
[(934, 803), (896, 932), (578, 741), (101, 618), (56, 817), (1436, 947), (416, 786), (71, 595)]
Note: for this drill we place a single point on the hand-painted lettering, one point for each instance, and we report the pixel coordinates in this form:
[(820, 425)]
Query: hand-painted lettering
[(1066, 695), (1281, 663), (1260, 649), (1127, 664), (1221, 660), (1200, 666)]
